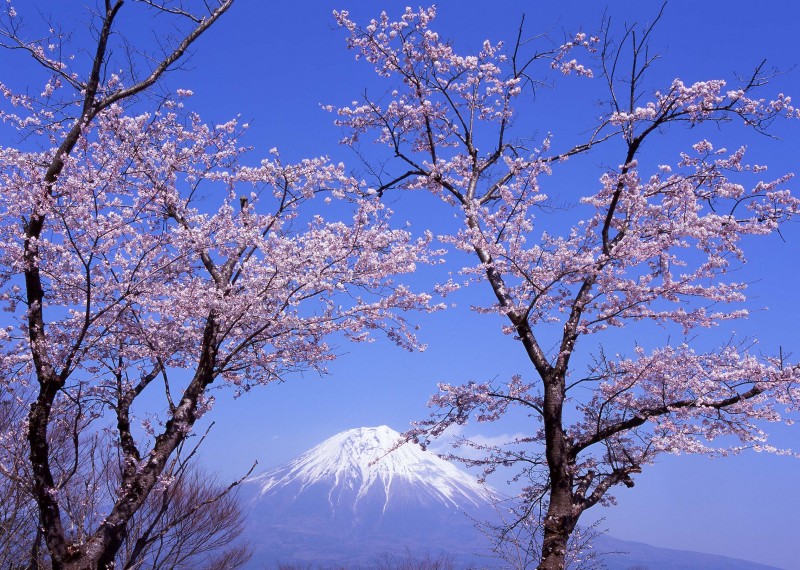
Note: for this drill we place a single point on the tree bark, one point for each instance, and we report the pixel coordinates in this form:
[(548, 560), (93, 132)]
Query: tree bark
[(561, 517), (559, 523)]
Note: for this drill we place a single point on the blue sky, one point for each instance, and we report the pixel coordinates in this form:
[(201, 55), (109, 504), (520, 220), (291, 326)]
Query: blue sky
[(274, 63)]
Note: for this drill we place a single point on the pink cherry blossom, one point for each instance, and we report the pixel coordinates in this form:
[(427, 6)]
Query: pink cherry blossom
[(654, 247)]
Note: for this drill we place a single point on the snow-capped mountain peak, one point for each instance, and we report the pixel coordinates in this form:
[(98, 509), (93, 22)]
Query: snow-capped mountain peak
[(360, 463), (357, 496)]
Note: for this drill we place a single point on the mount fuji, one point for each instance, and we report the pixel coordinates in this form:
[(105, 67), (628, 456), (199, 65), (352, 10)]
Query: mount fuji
[(350, 499)]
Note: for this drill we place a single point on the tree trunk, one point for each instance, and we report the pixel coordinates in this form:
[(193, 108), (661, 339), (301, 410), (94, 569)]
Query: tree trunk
[(554, 551), (559, 523), (561, 518), (557, 530)]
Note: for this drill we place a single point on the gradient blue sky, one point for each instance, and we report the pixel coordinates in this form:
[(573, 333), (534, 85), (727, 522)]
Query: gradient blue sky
[(276, 62)]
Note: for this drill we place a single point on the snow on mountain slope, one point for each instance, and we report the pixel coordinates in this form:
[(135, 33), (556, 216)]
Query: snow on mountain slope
[(357, 463), (349, 500)]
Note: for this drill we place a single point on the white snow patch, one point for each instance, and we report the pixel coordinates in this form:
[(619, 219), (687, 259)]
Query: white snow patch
[(360, 459)]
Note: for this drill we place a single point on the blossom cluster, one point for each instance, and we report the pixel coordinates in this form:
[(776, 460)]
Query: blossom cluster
[(657, 247), (156, 227)]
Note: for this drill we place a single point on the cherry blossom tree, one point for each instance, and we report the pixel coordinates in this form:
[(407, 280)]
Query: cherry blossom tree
[(648, 244), (142, 260)]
